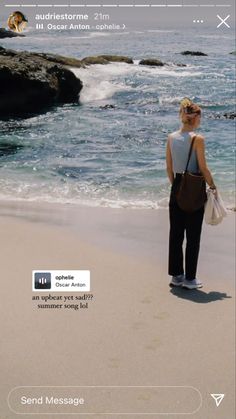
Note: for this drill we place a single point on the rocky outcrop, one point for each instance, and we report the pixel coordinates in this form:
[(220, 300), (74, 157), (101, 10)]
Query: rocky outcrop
[(117, 59), (74, 62), (94, 60), (30, 83), (106, 59), (230, 115), (100, 59), (194, 53), (108, 106), (59, 59), (233, 53), (226, 115), (4, 33), (180, 65), (152, 62)]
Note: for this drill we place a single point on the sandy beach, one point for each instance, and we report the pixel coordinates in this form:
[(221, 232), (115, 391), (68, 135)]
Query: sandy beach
[(137, 331)]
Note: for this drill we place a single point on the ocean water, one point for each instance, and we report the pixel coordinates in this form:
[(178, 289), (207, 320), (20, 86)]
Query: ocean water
[(90, 154)]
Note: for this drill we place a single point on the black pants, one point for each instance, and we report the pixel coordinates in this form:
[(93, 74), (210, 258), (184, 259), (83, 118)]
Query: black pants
[(181, 222)]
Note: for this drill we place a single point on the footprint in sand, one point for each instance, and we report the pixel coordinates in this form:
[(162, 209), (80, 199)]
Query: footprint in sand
[(154, 345), (138, 325), (114, 363), (143, 397), (146, 300), (162, 315)]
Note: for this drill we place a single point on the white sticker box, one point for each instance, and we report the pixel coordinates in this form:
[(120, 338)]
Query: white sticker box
[(61, 281)]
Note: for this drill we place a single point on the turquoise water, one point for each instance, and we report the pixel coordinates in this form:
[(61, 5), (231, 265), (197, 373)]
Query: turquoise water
[(85, 153)]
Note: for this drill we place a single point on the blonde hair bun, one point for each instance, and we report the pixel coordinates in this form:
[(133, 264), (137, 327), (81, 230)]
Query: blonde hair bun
[(188, 110)]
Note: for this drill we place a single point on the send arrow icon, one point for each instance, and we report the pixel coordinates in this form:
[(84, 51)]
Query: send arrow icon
[(218, 398)]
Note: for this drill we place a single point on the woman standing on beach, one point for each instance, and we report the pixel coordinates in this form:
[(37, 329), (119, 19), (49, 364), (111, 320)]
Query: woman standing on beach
[(177, 151)]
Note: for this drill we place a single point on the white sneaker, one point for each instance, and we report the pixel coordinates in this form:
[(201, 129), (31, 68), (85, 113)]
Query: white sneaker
[(192, 285), (177, 281)]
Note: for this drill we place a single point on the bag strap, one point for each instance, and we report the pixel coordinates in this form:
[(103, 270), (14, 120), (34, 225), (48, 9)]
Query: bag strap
[(190, 152)]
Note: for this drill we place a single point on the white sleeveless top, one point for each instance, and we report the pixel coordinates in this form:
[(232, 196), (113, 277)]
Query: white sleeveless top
[(180, 145)]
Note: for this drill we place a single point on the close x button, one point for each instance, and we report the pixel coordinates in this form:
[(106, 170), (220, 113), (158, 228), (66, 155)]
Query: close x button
[(223, 21)]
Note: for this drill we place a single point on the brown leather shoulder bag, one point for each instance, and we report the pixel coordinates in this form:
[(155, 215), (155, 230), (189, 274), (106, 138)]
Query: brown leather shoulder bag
[(191, 193)]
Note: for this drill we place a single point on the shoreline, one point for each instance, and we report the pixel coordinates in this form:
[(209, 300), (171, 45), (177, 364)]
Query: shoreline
[(142, 233)]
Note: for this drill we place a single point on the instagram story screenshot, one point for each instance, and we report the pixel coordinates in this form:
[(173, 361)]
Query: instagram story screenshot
[(117, 209)]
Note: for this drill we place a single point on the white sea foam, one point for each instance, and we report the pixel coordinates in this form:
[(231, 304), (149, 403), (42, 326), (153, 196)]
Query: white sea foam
[(134, 204), (95, 34), (120, 33), (98, 81), (166, 71), (170, 100), (159, 31), (103, 202), (96, 89), (220, 36), (77, 194), (107, 203)]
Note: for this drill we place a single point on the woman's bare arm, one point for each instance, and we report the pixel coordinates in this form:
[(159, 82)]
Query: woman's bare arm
[(199, 146), (169, 166)]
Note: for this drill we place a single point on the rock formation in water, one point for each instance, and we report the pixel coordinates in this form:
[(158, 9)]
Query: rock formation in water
[(230, 115), (152, 62), (4, 33), (194, 53), (106, 59), (30, 83)]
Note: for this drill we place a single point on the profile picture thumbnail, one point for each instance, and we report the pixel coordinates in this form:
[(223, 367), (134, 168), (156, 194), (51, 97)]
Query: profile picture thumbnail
[(42, 280), (17, 21)]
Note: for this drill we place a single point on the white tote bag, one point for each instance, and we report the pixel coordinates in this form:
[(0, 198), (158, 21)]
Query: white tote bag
[(215, 210)]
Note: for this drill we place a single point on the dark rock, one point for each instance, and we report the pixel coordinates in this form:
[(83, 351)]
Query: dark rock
[(230, 115), (4, 33), (94, 60), (30, 83), (233, 53), (59, 59), (226, 115), (194, 53), (106, 59), (9, 148), (151, 62), (107, 107), (117, 58), (75, 62), (181, 65)]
